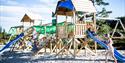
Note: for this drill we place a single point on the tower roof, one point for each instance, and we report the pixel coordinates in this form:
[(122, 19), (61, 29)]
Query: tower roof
[(67, 7)]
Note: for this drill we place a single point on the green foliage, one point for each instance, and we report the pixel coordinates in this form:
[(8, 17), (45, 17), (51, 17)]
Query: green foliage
[(104, 13), (104, 28), (100, 2), (80, 14)]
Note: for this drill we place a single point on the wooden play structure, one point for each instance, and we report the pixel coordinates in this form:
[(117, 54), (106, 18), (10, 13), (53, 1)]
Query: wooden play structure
[(70, 35), (65, 39), (79, 27)]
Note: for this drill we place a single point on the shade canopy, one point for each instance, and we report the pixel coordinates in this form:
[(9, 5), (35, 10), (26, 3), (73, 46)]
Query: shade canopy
[(67, 7), (84, 6), (66, 4)]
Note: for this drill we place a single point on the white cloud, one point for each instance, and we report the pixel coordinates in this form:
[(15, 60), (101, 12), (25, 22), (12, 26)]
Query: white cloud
[(16, 11), (7, 22), (12, 2), (19, 11), (48, 1), (12, 9)]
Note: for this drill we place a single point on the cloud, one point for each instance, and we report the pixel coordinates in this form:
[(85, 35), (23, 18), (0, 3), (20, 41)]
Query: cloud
[(7, 22), (12, 2), (49, 3), (12, 12), (9, 2), (18, 11)]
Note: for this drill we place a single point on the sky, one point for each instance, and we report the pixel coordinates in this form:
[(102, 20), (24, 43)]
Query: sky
[(12, 11)]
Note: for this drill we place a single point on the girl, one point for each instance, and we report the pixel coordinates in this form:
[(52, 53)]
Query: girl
[(110, 49)]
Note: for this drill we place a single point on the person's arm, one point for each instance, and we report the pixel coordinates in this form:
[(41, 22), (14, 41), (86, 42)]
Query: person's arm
[(111, 41)]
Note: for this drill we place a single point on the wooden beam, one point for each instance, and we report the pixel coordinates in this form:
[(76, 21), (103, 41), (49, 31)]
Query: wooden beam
[(64, 47), (122, 25), (56, 45), (115, 28), (118, 37), (81, 47), (94, 19)]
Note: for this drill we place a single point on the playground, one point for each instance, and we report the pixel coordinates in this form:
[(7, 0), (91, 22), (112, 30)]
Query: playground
[(75, 40)]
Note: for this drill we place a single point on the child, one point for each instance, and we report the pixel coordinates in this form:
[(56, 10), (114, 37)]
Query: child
[(110, 49)]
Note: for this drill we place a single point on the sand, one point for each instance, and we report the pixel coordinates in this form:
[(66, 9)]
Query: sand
[(28, 57)]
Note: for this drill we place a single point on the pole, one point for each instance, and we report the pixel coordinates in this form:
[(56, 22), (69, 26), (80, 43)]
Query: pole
[(74, 34), (94, 19)]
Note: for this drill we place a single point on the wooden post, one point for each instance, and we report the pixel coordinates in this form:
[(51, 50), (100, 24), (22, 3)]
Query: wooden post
[(122, 25), (115, 28), (94, 19), (66, 31), (56, 32), (74, 34), (59, 45), (85, 22), (50, 47), (63, 48)]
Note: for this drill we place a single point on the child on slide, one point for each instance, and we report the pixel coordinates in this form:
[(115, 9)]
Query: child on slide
[(110, 49)]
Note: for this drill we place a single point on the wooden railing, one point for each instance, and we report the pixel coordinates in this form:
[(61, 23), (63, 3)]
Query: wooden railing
[(79, 30)]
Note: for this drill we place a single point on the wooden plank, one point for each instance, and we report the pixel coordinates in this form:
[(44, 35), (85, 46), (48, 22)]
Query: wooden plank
[(64, 47), (118, 37)]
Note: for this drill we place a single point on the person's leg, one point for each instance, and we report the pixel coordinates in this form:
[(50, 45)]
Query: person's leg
[(106, 58), (112, 53), (115, 60)]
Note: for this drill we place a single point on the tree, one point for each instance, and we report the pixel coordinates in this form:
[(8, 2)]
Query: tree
[(103, 12), (0, 29), (104, 28), (122, 19), (4, 33), (99, 2)]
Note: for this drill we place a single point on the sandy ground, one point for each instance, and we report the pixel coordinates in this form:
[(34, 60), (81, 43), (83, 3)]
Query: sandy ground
[(28, 57)]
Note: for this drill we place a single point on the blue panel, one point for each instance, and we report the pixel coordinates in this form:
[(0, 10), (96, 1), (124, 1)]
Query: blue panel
[(66, 4)]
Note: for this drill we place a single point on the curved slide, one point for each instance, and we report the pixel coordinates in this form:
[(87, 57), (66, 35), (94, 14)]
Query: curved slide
[(118, 56), (12, 42)]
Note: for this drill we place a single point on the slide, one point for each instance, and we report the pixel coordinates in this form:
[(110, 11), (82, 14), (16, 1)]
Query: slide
[(118, 56), (12, 42)]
